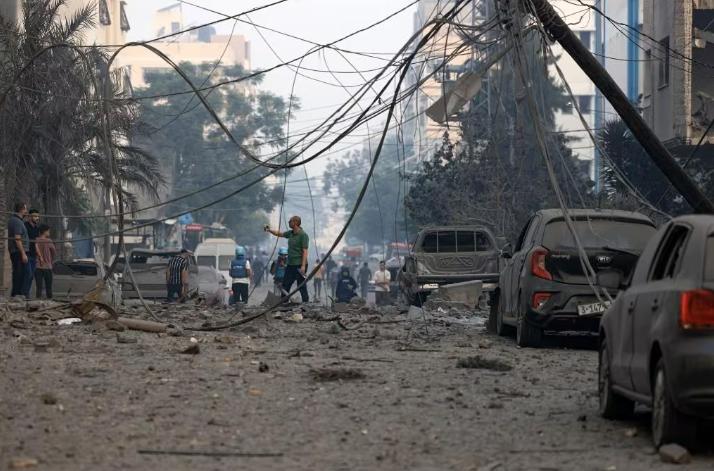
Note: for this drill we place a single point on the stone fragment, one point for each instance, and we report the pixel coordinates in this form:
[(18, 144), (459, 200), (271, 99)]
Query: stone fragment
[(675, 454), (124, 338)]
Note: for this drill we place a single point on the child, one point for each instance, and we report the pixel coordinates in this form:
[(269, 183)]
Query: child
[(45, 259), (277, 269)]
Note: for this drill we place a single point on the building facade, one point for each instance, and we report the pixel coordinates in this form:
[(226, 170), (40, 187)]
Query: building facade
[(678, 94), (198, 46)]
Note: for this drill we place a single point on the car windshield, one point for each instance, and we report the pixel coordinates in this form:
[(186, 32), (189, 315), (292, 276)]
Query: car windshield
[(224, 262), (597, 233), (206, 260)]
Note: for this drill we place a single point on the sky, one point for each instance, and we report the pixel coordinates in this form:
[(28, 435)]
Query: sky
[(321, 21)]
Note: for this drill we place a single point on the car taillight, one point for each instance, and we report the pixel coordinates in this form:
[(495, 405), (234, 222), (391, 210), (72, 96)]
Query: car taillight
[(696, 309), (538, 263), (539, 300)]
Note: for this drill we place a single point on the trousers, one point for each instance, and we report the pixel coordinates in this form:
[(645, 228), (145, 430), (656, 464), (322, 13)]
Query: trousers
[(292, 274)]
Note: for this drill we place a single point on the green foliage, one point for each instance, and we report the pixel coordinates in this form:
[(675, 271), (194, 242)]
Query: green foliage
[(52, 140), (380, 217), (195, 153)]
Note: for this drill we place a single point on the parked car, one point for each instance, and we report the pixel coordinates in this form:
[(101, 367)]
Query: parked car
[(75, 278), (449, 254), (212, 286), (149, 270), (543, 285), (657, 338)]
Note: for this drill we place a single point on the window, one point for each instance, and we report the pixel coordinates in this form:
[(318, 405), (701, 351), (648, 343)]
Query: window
[(663, 73), (447, 242), (585, 103), (709, 260), (206, 261), (465, 241), (586, 38), (224, 262), (175, 27), (631, 236), (483, 242), (104, 17), (123, 20), (669, 255), (430, 244)]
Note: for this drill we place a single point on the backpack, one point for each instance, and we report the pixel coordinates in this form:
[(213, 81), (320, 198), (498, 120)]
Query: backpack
[(238, 268)]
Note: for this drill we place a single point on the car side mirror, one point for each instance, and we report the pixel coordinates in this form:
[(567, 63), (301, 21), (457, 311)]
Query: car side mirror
[(611, 279), (507, 251)]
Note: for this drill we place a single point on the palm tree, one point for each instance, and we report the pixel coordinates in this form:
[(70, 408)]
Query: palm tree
[(51, 136)]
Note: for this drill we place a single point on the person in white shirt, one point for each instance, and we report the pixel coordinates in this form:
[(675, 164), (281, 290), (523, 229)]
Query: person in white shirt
[(381, 279)]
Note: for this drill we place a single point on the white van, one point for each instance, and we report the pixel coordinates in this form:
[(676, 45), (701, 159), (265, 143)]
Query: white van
[(217, 253)]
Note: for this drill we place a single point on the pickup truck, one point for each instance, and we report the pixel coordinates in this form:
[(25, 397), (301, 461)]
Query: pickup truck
[(448, 254)]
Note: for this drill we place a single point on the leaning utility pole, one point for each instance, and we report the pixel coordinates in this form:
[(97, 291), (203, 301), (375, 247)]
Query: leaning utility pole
[(659, 154)]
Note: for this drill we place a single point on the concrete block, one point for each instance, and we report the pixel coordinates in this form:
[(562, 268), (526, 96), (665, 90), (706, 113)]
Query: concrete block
[(467, 292)]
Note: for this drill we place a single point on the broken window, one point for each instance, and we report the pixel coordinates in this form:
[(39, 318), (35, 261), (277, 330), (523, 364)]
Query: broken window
[(663, 72), (123, 20), (483, 242), (104, 17), (669, 255)]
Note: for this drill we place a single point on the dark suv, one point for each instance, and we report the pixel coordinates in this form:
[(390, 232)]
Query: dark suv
[(543, 285), (448, 254)]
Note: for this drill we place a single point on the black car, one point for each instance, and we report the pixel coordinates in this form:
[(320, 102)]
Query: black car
[(543, 285), (657, 338)]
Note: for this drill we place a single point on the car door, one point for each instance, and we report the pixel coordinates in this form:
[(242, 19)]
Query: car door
[(519, 260), (512, 270), (651, 300)]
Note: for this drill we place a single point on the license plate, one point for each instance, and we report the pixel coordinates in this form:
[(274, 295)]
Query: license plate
[(594, 308)]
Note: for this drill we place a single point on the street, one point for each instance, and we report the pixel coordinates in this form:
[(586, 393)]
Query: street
[(432, 391)]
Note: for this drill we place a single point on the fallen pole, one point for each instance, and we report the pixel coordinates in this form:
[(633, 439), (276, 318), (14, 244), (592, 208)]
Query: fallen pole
[(218, 454), (142, 325), (560, 31)]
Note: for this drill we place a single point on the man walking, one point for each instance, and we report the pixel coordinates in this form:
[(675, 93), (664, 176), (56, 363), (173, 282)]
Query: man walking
[(381, 284), (177, 277), (298, 243), (18, 246), (32, 224), (365, 274), (317, 280)]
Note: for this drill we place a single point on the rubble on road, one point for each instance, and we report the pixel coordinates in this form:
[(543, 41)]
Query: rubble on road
[(674, 454)]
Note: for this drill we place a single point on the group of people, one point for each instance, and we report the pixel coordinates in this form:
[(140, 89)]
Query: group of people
[(346, 285), (32, 252), (290, 267)]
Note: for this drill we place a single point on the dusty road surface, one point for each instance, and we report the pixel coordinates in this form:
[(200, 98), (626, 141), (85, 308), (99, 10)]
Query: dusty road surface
[(383, 391)]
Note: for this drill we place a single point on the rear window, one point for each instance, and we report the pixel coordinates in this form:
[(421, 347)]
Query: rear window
[(595, 233), (456, 241), (206, 261)]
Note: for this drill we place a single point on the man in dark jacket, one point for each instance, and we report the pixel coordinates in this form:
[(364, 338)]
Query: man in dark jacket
[(18, 246), (346, 286)]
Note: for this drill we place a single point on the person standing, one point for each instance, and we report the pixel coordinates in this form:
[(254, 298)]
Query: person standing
[(240, 273), (317, 279), (18, 246), (258, 269), (46, 253), (330, 267), (32, 224), (298, 243), (177, 277), (381, 284), (365, 274)]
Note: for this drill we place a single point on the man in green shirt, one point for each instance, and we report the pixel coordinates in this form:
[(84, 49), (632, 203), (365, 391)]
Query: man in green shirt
[(298, 243)]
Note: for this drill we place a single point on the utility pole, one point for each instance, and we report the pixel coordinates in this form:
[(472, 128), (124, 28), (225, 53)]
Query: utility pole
[(659, 154)]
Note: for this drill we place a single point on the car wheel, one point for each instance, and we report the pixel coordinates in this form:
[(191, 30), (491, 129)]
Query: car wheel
[(528, 335), (612, 405), (668, 424)]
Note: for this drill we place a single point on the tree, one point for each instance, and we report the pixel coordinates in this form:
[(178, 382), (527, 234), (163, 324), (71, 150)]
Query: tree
[(497, 175), (195, 153), (51, 139), (380, 218)]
